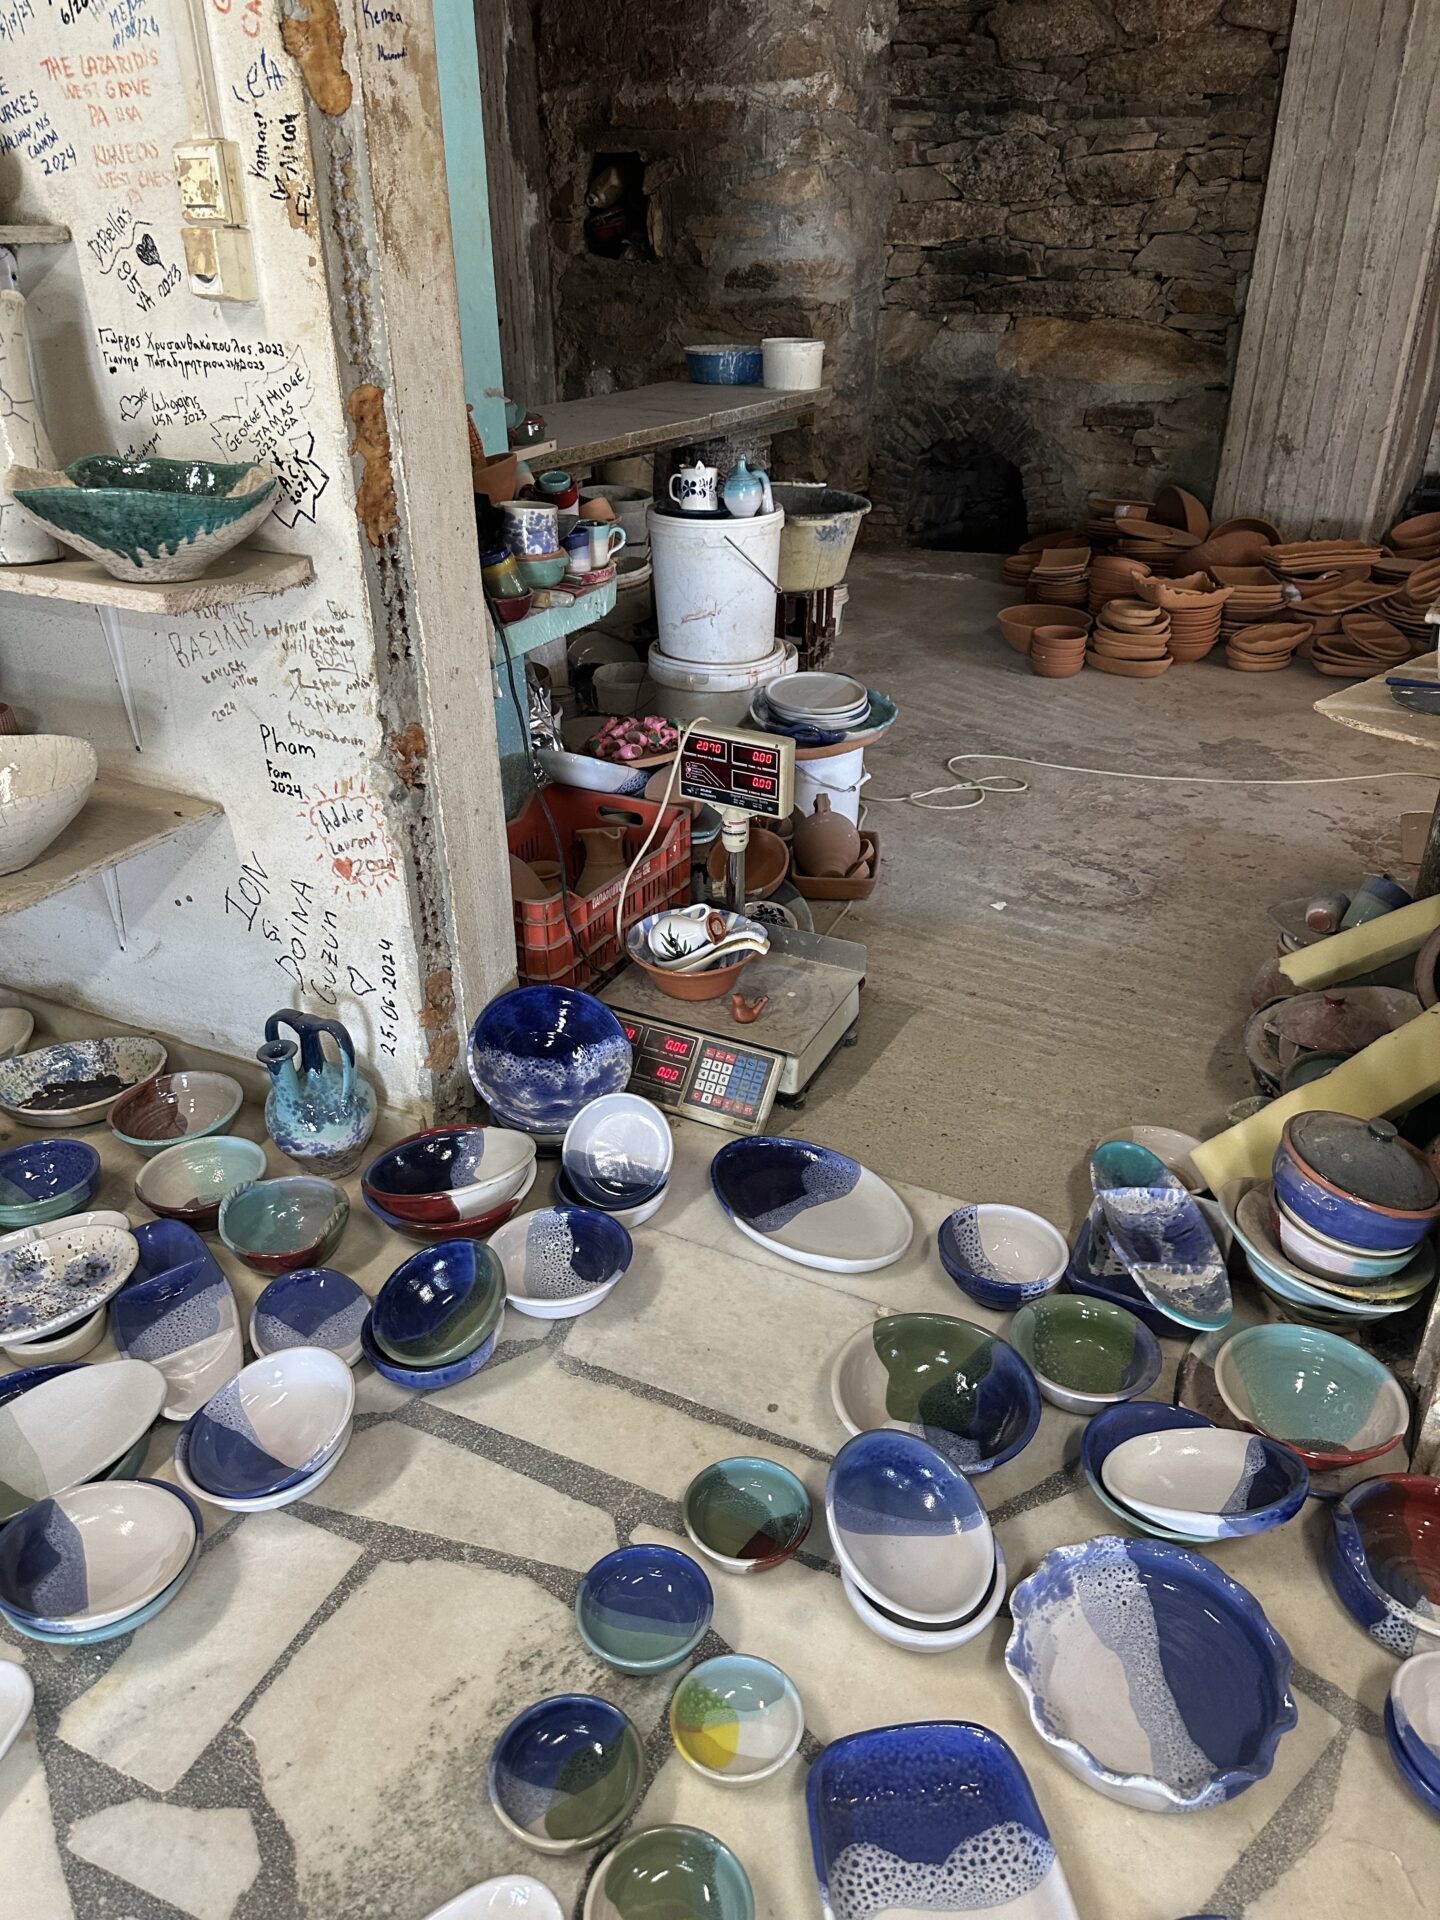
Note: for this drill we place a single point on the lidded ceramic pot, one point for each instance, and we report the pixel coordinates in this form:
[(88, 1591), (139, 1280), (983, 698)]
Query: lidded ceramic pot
[(827, 844), (1355, 1181)]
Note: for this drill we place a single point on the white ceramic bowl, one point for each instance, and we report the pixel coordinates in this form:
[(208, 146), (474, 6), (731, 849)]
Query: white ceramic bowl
[(269, 1503), (45, 779), (618, 1145), (67, 1430), (121, 1544), (71, 1343), (923, 1639), (1330, 1257), (16, 1027)]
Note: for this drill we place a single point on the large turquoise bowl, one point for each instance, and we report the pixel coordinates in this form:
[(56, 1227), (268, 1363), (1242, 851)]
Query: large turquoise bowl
[(147, 519)]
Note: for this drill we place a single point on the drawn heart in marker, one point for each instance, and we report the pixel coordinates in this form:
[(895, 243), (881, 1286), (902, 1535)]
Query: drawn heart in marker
[(131, 403), (147, 250), (346, 868)]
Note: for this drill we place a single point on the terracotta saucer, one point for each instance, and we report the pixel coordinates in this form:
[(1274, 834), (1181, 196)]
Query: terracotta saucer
[(1177, 508), (1130, 669)]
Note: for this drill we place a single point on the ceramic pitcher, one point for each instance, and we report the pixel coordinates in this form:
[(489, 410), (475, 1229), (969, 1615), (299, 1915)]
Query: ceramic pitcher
[(745, 490), (321, 1113), (693, 488)]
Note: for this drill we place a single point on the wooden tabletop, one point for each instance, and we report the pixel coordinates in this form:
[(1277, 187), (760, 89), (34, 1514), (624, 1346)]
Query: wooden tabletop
[(1369, 706), (668, 414)]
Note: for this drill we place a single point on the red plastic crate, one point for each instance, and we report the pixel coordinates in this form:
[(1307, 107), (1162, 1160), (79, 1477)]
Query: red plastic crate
[(544, 951)]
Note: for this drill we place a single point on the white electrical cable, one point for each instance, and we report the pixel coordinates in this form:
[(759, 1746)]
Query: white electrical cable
[(700, 720)]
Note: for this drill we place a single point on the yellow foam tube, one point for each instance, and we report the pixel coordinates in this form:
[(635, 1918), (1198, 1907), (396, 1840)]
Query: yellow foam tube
[(1362, 949), (1392, 1074)]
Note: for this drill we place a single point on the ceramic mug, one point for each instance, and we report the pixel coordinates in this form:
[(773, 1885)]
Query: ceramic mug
[(531, 528), (558, 486), (693, 488), (591, 545)]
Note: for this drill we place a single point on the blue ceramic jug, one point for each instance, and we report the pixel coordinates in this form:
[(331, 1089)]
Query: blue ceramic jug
[(320, 1114), (745, 490)]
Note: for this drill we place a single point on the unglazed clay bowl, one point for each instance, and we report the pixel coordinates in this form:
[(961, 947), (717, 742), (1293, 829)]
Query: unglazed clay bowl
[(736, 1719), (908, 1527), (1018, 624), (274, 1225), (644, 1608), (1002, 1256), (439, 1305), (566, 1773), (1326, 1399), (187, 1182), (45, 779), (1383, 1559), (682, 1873), (539, 1054), (1085, 1354), (46, 1180), (447, 1175), (746, 1514)]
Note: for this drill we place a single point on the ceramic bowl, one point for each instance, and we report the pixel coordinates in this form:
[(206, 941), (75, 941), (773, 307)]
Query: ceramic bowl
[(1002, 1256), (75, 1083), (175, 1106), (644, 1608), (618, 1151), (914, 1638), (539, 1054), (151, 519), (260, 1503), (447, 1175), (1112, 1428), (1085, 1354), (117, 1629), (959, 1386), (311, 1307), (1324, 1398), (1171, 1148), (630, 1217), (1346, 1217), (276, 1225), (1328, 1258), (683, 1873), (71, 1427), (1159, 1233), (91, 1556), (1414, 1705), (566, 1773), (935, 1818), (187, 1182), (511, 1896), (277, 1422), (594, 775), (426, 1379), (510, 607), (1414, 1779), (16, 1027), (438, 1305), (60, 1276), (543, 569), (1155, 1677), (1209, 1483), (180, 1315), (1383, 1560), (736, 1719), (17, 1695), (746, 1514), (46, 1180), (71, 1343), (811, 1204), (559, 1262), (12, 1385), (45, 779), (908, 1528), (431, 1236), (1097, 1272), (724, 366)]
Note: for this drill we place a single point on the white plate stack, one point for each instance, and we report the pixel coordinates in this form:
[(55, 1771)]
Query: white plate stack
[(831, 701)]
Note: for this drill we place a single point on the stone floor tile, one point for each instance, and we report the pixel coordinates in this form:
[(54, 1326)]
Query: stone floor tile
[(201, 1861), (32, 1880)]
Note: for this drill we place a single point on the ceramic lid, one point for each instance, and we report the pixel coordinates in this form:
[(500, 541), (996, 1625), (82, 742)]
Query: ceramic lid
[(1366, 1158)]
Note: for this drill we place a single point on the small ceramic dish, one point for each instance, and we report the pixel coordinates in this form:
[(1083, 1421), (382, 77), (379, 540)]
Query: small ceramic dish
[(262, 1503), (1207, 1484), (811, 1204), (1171, 1148), (1356, 1182), (180, 1315), (277, 1422), (439, 1305), (448, 1175), (75, 1083), (512, 1896), (1327, 1258), (1002, 1256), (71, 1343), (1413, 1778), (959, 1386), (432, 1236), (17, 1696), (89, 1557), (542, 569), (16, 1028), (117, 1629), (311, 1307), (276, 1225), (683, 1873), (943, 1814), (187, 1182), (1159, 1232), (618, 1151), (1097, 1272), (71, 1427), (1415, 1710), (644, 1608), (908, 1527), (1111, 1429), (1383, 1560), (1085, 1354), (1154, 1677), (426, 1379), (559, 1262), (913, 1637), (537, 1055), (1321, 1396), (55, 1275), (736, 1719), (630, 1217), (43, 1180), (586, 771), (175, 1106), (746, 1514), (566, 1773)]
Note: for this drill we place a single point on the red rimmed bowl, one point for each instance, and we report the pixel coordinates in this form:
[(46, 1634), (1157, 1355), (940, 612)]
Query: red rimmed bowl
[(449, 1176)]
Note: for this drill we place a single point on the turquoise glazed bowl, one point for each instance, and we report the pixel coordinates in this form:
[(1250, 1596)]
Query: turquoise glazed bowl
[(44, 1180), (147, 519), (746, 1514), (1324, 1398), (644, 1608), (543, 570), (670, 1873), (274, 1225)]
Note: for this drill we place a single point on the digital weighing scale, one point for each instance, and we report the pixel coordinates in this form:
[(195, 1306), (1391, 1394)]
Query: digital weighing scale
[(693, 1058)]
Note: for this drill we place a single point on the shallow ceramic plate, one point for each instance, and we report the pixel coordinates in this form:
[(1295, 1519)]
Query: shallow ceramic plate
[(736, 1719), (61, 1275), (811, 1204), (908, 1527), (514, 1896), (95, 1554), (566, 1772), (78, 1080), (561, 1261), (1161, 1235), (312, 1307), (274, 1424), (71, 1427), (682, 1873), (1212, 1484), (1327, 1399), (936, 1818), (17, 1694)]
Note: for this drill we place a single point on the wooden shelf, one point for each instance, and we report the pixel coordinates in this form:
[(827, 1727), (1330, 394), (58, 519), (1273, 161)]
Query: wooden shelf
[(245, 573), (553, 623), (671, 413), (33, 234)]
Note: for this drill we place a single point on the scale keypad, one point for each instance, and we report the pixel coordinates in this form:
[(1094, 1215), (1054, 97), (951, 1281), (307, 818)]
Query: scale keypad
[(729, 1081)]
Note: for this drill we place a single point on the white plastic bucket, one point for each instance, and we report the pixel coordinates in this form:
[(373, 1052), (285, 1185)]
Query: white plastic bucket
[(840, 778), (723, 694), (715, 585), (792, 363)]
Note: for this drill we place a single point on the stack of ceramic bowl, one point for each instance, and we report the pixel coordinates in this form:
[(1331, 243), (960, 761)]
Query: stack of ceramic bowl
[(437, 1318), (918, 1560), (1383, 1560), (1058, 577), (1130, 639), (1299, 1286), (1367, 644), (1165, 550), (1309, 560), (65, 1424), (616, 1157), (55, 1282), (1265, 646), (1058, 652), (1417, 538), (830, 701), (1412, 1726), (1255, 594), (271, 1435), (1018, 624), (1016, 569), (537, 1055), (1170, 1472), (1112, 577), (449, 1183), (1195, 605), (1407, 608)]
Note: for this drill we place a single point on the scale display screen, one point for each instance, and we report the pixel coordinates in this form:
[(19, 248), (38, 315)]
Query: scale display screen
[(737, 770), (725, 1086)]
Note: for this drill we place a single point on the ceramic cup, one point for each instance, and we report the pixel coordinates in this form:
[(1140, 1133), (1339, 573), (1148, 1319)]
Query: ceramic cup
[(558, 486), (531, 527), (500, 575), (592, 544), (693, 489)]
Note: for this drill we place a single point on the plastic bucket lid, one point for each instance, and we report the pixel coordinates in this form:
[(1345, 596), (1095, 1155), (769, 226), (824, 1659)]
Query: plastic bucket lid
[(698, 676)]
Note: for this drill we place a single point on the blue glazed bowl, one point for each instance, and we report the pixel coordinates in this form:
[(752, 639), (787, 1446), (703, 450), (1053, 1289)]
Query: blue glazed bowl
[(1383, 1559), (273, 1425), (724, 366), (312, 1307), (938, 1817), (117, 1629), (438, 1305), (1158, 1231), (566, 1773), (1137, 1646), (1098, 1272), (539, 1054), (1425, 1790), (558, 1262), (426, 1379), (448, 1175), (1110, 1429), (618, 1151), (1414, 1707), (908, 1528), (45, 1180), (1002, 1256), (643, 1609), (1356, 1223)]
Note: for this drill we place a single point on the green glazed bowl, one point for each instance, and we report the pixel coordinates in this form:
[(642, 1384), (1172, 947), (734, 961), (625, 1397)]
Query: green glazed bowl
[(544, 570), (1086, 1354), (670, 1873)]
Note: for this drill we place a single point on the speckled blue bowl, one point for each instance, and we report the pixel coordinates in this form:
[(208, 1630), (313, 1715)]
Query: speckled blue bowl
[(539, 1054), (45, 1180)]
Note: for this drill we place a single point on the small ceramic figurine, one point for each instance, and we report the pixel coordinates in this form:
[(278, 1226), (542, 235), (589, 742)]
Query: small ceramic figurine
[(745, 491), (320, 1114)]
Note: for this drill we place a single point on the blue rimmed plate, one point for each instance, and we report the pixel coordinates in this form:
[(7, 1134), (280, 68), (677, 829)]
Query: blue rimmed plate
[(811, 1204)]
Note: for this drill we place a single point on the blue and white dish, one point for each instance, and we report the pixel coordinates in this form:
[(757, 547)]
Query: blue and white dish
[(1415, 1710), (1383, 1560), (1418, 1782), (1002, 1256), (76, 1082), (12, 1385), (618, 1151), (1097, 1271), (511, 1896), (908, 1527), (811, 1204), (312, 1307), (1160, 1233), (1210, 1484), (1328, 1259), (1156, 1678), (561, 1261), (180, 1315), (274, 1424), (129, 1623), (70, 1428), (566, 1772), (17, 1696), (52, 1277), (644, 1608), (1111, 1429), (46, 1180), (71, 1343), (1356, 1182), (538, 1055), (260, 1503), (566, 1196), (426, 1379), (92, 1556), (934, 1818), (437, 1306), (1246, 1205), (915, 1637)]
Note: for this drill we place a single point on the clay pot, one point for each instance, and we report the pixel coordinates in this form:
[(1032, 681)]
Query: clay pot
[(827, 843), (1126, 647), (598, 510), (526, 884), (1135, 615), (1059, 636), (712, 984), (604, 857), (1065, 670), (1420, 530), (1018, 624), (767, 861)]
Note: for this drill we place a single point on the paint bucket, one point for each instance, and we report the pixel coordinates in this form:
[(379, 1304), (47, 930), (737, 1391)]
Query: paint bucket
[(821, 524), (840, 778), (793, 364), (715, 585), (684, 692)]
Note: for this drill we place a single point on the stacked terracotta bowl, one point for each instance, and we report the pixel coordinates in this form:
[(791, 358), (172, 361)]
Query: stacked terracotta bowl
[(1058, 577), (1107, 516), (1017, 568), (1407, 608), (1058, 652), (1365, 645), (1018, 624), (1163, 549), (1112, 577), (1265, 646), (1194, 603), (1131, 639), (1307, 560), (1417, 538), (1255, 595)]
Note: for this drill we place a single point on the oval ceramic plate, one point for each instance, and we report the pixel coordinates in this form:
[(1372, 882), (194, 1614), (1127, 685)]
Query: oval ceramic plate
[(811, 1204), (1159, 1232), (1212, 1483), (70, 1428), (514, 1896), (908, 1528), (1111, 1429), (60, 1276), (95, 1554), (78, 1080)]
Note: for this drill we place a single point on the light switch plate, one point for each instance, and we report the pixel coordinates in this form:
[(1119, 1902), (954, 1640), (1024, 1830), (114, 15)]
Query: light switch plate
[(219, 262), (208, 175)]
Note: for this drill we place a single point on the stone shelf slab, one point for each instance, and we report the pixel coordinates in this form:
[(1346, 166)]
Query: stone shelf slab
[(33, 234), (245, 573), (119, 820), (669, 414)]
